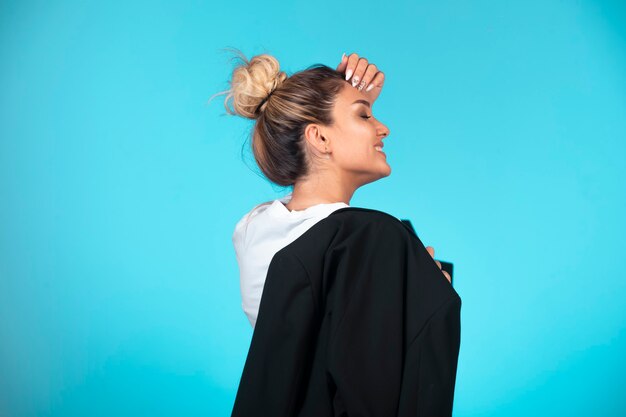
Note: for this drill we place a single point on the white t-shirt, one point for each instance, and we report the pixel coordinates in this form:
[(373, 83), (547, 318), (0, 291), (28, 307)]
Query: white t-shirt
[(261, 233)]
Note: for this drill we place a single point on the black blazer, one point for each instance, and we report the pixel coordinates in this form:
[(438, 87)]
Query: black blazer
[(355, 319)]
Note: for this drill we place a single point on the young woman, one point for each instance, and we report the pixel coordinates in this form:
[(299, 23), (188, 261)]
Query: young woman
[(351, 313)]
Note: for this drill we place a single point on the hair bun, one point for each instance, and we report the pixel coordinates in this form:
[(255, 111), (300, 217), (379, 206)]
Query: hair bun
[(252, 83)]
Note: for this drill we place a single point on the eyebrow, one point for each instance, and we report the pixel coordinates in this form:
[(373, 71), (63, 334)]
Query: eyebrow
[(367, 103)]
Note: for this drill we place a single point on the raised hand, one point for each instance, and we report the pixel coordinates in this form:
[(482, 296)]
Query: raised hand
[(365, 76)]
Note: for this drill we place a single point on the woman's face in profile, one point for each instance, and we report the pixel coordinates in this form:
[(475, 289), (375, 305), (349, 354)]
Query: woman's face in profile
[(355, 135)]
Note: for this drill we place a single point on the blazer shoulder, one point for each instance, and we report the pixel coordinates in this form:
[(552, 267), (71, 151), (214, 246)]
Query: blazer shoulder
[(363, 213), (341, 226), (367, 216)]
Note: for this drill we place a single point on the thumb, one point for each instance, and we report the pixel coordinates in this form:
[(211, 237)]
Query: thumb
[(343, 64)]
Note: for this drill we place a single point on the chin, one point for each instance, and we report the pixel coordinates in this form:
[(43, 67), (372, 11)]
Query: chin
[(384, 173), (387, 170)]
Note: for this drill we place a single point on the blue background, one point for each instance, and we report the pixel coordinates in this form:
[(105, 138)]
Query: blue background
[(120, 187)]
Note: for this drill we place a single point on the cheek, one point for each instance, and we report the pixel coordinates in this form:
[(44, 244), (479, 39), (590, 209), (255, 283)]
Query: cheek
[(357, 155), (355, 149)]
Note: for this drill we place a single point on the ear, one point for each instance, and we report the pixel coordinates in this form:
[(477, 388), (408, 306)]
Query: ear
[(315, 139)]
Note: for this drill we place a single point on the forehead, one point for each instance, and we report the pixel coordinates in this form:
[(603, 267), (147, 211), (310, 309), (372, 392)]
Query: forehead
[(348, 95)]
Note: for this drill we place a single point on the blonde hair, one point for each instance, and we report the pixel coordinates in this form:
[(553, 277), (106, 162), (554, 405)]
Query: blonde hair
[(282, 106)]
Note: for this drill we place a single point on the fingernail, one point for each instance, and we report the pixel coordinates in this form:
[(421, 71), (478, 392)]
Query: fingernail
[(343, 56), (355, 80), (349, 74), (369, 87)]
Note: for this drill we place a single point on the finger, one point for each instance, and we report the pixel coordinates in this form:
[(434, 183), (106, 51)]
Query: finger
[(343, 64), (378, 81), (430, 250), (359, 71), (370, 72), (447, 276), (438, 264), (353, 60)]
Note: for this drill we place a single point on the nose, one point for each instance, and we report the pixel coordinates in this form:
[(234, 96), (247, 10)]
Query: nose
[(384, 131)]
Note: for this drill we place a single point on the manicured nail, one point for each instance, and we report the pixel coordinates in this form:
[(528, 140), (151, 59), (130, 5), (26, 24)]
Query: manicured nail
[(369, 87), (349, 74), (343, 56)]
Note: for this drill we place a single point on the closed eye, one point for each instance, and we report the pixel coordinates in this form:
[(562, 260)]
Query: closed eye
[(366, 117)]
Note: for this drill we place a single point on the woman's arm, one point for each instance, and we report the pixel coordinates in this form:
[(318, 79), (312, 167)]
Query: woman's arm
[(275, 374)]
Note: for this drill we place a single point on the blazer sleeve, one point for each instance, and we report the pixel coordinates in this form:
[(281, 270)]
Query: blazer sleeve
[(276, 367), (395, 349), (430, 365)]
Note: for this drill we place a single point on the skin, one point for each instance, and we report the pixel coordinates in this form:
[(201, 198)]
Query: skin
[(350, 143)]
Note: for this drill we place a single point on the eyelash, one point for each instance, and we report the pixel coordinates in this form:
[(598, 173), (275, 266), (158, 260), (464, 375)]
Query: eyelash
[(366, 117)]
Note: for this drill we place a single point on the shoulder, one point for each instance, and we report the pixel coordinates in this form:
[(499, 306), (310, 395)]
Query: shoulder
[(259, 208), (244, 221), (363, 213), (359, 217), (348, 225)]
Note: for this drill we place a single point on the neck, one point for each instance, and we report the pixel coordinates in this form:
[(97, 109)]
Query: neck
[(318, 190)]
